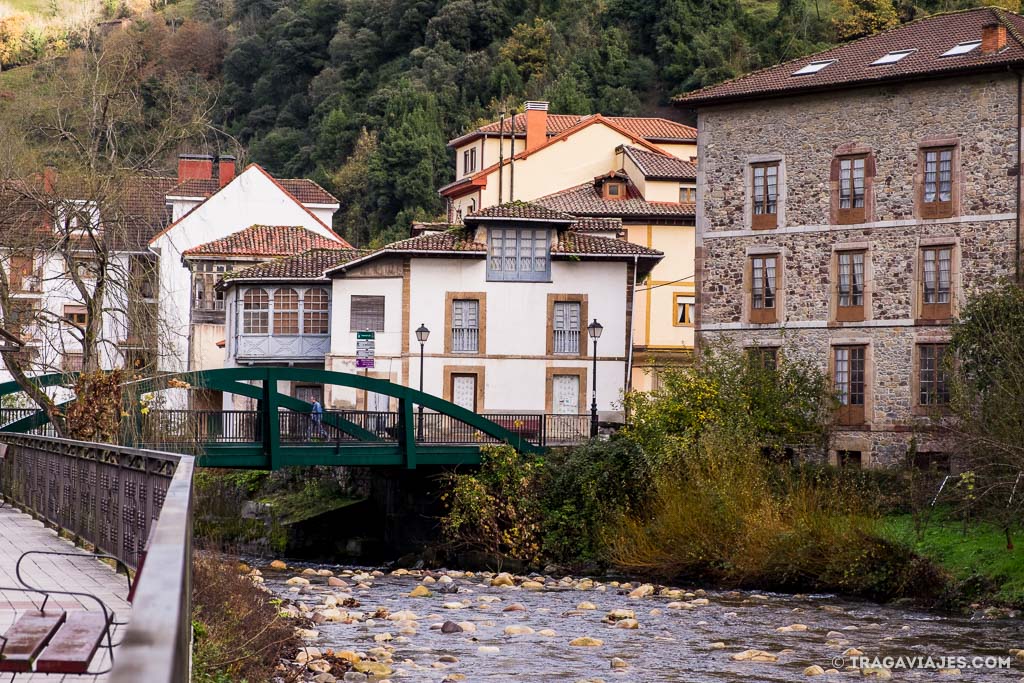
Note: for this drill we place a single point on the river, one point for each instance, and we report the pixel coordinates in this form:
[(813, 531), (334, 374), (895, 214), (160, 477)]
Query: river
[(690, 636)]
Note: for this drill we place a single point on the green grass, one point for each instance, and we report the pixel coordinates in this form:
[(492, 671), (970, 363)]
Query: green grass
[(30, 6), (980, 554)]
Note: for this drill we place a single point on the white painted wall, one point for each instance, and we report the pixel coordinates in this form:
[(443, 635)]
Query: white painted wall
[(251, 198)]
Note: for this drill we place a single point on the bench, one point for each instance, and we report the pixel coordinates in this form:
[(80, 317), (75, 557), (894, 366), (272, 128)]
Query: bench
[(60, 641)]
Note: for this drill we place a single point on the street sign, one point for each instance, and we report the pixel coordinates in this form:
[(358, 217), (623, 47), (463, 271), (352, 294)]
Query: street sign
[(365, 347)]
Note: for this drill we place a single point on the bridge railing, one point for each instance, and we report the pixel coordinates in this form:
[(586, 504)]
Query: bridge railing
[(114, 499)]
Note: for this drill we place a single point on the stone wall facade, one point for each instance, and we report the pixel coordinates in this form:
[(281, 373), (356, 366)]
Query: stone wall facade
[(977, 115)]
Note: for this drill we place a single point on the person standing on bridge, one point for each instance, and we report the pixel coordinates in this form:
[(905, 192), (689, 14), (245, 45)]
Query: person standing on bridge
[(317, 419)]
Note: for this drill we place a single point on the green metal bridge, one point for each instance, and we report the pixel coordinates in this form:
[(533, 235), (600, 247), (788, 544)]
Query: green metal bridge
[(282, 432)]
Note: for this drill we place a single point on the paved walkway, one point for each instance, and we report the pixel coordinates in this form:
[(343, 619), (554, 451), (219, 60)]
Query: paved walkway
[(19, 533)]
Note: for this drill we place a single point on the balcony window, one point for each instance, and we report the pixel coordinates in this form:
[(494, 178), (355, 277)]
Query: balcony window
[(314, 311), (849, 372), (850, 286), (465, 326), (522, 254), (936, 283), (286, 311), (256, 312), (765, 203), (566, 327), (764, 284), (23, 276)]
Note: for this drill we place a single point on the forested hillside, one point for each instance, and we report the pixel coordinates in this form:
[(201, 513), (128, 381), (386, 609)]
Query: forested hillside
[(363, 94)]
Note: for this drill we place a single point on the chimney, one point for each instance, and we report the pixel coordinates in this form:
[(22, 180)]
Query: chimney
[(49, 177), (993, 38), (225, 169), (536, 125), (195, 167)]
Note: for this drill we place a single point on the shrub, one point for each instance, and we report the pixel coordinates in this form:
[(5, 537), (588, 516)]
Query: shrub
[(239, 634)]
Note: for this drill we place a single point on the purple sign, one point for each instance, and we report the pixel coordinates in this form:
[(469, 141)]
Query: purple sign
[(364, 362)]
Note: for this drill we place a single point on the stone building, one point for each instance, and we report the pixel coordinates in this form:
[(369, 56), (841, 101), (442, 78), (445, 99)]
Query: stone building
[(850, 201)]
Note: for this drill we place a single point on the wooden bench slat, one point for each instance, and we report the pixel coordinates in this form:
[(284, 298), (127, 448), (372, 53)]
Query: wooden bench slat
[(71, 650), (26, 637)]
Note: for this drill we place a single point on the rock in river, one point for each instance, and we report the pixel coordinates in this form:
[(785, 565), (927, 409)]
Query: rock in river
[(586, 641)]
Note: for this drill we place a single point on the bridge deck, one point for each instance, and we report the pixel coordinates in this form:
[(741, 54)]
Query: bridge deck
[(19, 533)]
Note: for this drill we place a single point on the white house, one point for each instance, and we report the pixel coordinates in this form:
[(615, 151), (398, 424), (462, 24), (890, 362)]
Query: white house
[(507, 298)]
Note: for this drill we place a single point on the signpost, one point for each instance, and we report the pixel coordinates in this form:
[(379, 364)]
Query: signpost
[(365, 343)]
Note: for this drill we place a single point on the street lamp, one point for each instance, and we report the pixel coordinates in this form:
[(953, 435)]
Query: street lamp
[(594, 329), (422, 333)]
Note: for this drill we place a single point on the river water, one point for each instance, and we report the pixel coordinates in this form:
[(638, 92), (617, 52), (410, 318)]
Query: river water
[(689, 645)]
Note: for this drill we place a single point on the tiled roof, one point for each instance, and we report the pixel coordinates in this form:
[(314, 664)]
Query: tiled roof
[(457, 239), (649, 128), (303, 189), (265, 240), (586, 200), (597, 225), (580, 244), (929, 38), (520, 211), (661, 166), (309, 265)]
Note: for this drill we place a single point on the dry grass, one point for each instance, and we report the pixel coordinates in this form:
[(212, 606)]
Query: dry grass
[(239, 633)]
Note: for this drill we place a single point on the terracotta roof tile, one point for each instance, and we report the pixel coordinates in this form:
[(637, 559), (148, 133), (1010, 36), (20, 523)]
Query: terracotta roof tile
[(661, 166), (521, 211), (586, 200), (597, 225), (303, 189), (309, 265), (458, 239), (929, 38), (649, 128), (265, 240), (580, 244)]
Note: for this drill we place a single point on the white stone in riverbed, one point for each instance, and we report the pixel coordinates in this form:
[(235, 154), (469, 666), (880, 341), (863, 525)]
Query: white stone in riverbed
[(403, 615), (791, 628), (518, 630), (429, 580), (700, 601), (382, 637), (308, 654), (754, 656), (586, 641), (642, 592), (532, 586), (445, 579), (319, 666), (949, 672), (309, 572), (630, 624), (852, 652), (297, 581), (618, 663), (876, 672), (679, 605), (515, 607), (453, 605), (307, 633), (324, 572), (467, 626), (814, 670), (488, 650), (586, 605), (617, 614), (717, 646), (547, 632)]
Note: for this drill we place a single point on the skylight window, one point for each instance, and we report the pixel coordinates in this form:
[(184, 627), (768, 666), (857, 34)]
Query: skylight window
[(961, 48), (813, 67), (892, 57)]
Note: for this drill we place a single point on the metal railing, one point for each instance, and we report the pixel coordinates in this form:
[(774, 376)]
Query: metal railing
[(566, 341), (114, 499), (201, 426), (9, 415)]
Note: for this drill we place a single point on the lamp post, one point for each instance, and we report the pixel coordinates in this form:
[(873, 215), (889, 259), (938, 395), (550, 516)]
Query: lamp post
[(594, 329), (422, 333)]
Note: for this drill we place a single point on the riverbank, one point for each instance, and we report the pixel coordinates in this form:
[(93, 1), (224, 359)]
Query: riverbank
[(981, 568), (422, 625)]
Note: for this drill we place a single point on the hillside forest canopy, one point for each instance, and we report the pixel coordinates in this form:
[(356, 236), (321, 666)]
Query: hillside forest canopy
[(362, 95)]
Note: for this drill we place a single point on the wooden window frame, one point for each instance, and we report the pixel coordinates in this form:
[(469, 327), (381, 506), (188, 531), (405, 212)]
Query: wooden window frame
[(764, 220), (286, 309), (619, 186), (853, 312), (18, 273), (853, 214), (478, 370), (927, 408), (851, 414), (583, 300), (449, 302), (758, 354), (71, 310), (312, 315), (937, 209), (249, 314), (764, 315), (549, 387), (676, 296), (936, 310)]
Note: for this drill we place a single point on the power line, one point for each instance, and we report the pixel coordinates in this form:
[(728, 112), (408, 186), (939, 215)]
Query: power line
[(672, 282)]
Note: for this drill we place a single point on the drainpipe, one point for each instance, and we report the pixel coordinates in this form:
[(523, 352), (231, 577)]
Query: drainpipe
[(629, 351), (512, 162), (1020, 85), (501, 155)]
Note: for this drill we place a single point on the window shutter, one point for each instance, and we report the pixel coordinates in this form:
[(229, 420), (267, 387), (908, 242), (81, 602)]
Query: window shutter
[(367, 313)]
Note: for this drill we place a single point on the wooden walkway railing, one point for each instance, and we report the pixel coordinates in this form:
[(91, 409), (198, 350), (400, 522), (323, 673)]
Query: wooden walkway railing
[(114, 499)]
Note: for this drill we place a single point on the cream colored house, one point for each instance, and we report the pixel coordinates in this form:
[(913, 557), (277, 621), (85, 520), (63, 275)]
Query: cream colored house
[(633, 178)]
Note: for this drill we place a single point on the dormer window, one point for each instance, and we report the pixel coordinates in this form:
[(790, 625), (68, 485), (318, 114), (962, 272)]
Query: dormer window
[(961, 48), (614, 189), (687, 194), (892, 57), (814, 67), (78, 217)]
